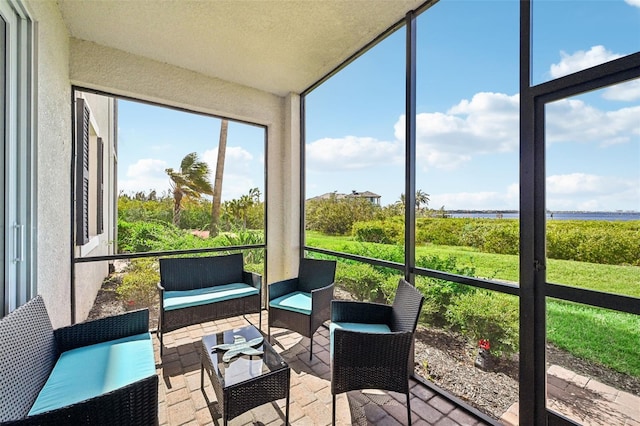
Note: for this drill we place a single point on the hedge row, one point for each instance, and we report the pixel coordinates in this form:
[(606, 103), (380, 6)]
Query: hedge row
[(613, 243)]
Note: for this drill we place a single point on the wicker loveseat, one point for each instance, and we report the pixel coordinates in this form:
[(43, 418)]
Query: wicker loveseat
[(98, 372), (199, 289)]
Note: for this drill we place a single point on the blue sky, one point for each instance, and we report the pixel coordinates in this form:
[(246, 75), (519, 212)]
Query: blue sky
[(467, 122)]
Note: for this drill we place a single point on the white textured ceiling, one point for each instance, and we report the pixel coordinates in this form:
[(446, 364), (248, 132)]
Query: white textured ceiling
[(278, 46)]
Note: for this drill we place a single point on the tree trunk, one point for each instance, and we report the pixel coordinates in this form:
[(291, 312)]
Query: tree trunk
[(177, 208), (217, 185)]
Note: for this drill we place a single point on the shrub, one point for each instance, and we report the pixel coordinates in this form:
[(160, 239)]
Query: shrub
[(140, 237), (361, 280), (335, 216), (502, 239), (564, 243), (138, 288), (244, 238), (484, 315), (440, 293), (446, 232), (613, 243), (385, 232)]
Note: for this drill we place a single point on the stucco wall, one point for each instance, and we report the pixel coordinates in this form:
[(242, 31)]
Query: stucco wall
[(98, 67), (53, 160)]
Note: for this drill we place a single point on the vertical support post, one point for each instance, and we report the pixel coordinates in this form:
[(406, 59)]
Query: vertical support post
[(303, 168), (532, 396), (410, 149)]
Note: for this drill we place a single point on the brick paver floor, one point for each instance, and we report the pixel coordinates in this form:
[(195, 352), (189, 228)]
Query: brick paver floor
[(585, 401), (182, 401)]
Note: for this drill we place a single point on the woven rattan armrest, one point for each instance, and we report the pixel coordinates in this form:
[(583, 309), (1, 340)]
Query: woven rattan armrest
[(161, 296), (280, 288), (322, 296), (253, 279), (360, 312), (102, 330)]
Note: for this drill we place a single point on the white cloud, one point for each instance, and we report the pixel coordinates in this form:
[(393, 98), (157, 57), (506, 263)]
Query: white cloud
[(351, 152), (628, 92), (145, 175), (635, 3), (571, 192), (237, 164), (576, 183), (482, 200), (488, 123), (582, 191), (574, 120), (581, 60), (236, 160)]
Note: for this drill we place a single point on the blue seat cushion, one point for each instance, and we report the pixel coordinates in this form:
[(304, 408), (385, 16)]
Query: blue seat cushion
[(203, 296), (90, 371), (355, 326), (298, 301)]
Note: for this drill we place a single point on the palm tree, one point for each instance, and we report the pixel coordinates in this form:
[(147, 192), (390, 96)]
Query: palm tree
[(191, 181), (245, 201), (421, 198), (255, 194), (234, 207), (217, 187)]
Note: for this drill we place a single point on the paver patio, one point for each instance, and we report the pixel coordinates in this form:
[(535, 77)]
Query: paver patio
[(183, 403), (585, 401)]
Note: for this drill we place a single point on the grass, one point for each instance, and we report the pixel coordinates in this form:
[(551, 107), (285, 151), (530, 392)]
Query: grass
[(601, 336), (607, 278), (598, 335)]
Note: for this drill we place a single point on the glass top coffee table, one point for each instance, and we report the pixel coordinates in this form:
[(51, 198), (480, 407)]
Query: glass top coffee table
[(245, 381)]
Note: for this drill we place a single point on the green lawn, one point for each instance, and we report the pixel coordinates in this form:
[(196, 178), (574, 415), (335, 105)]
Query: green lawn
[(609, 278), (599, 335)]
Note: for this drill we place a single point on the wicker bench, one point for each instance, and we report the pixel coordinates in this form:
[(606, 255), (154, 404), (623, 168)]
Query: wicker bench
[(200, 289), (98, 372)]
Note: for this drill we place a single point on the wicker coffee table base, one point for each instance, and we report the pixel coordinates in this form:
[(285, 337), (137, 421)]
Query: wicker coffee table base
[(241, 397)]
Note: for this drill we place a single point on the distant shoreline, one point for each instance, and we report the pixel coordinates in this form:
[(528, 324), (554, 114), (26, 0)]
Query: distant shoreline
[(548, 211), (553, 215)]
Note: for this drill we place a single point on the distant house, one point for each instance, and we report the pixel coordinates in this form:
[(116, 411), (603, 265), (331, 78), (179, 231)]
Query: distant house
[(373, 198)]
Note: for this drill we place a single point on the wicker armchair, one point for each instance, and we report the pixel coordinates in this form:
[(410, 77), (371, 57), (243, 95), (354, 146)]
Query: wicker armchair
[(371, 343), (35, 388), (303, 303), (199, 289)]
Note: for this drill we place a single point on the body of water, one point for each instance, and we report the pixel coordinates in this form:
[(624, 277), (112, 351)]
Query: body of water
[(610, 216)]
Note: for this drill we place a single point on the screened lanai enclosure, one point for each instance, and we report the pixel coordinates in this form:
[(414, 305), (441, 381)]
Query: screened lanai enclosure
[(486, 152)]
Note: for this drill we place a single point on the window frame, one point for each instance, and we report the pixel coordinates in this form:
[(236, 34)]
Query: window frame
[(19, 159)]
